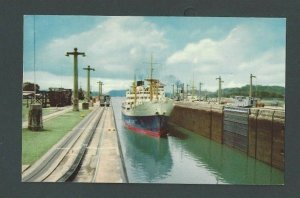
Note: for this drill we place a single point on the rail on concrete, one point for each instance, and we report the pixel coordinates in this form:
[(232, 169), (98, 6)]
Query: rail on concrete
[(64, 160), (40, 170)]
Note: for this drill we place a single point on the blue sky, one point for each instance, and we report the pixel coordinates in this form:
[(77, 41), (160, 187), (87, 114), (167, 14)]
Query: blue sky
[(186, 48)]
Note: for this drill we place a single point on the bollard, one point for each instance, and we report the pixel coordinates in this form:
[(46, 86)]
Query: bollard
[(85, 105), (35, 117)]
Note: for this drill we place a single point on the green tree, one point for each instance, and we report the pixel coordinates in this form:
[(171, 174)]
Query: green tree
[(80, 94), (28, 86)]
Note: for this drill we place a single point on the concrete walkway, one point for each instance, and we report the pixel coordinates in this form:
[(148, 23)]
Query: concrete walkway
[(110, 168)]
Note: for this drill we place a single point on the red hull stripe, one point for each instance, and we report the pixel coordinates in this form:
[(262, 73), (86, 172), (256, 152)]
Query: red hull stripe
[(143, 131)]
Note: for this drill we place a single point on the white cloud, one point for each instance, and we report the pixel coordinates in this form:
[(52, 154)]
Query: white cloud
[(234, 58), (119, 46), (46, 80), (114, 48)]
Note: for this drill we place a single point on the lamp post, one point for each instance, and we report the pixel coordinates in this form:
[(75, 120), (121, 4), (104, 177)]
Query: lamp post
[(75, 53)]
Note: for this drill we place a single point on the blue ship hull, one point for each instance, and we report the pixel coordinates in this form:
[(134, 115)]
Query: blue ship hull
[(150, 125)]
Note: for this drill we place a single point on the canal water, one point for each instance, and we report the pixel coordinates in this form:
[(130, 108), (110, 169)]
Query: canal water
[(188, 158)]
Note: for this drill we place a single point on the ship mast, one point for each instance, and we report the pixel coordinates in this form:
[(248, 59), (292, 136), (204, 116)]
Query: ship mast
[(156, 86), (134, 89), (151, 82)]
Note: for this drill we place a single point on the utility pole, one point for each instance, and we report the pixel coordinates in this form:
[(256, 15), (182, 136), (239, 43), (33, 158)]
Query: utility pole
[(193, 87), (250, 91), (34, 78), (88, 82), (182, 89), (220, 87), (75, 95), (193, 91), (187, 91), (35, 114), (200, 84), (173, 91)]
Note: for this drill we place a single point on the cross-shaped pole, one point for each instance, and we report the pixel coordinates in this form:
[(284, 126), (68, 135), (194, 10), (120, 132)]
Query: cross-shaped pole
[(182, 89), (100, 88), (250, 91), (88, 82), (173, 91), (75, 95), (187, 91), (220, 87), (200, 84)]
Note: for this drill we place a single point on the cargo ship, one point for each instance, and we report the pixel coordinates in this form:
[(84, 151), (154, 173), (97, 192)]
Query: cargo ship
[(146, 108)]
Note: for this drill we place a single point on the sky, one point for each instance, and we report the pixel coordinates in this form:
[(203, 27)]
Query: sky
[(189, 50)]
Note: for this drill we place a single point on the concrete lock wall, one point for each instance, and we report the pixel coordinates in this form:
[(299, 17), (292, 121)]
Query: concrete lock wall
[(270, 137), (264, 138), (252, 128), (204, 120), (278, 140), (217, 124)]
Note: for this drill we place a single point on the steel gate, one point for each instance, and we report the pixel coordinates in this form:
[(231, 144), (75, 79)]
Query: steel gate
[(235, 131)]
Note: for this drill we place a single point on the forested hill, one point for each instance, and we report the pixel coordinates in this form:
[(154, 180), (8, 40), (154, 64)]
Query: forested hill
[(117, 93), (257, 91), (112, 93)]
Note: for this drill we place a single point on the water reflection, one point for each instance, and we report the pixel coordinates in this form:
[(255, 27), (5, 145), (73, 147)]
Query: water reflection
[(185, 157), (228, 165), (149, 157)]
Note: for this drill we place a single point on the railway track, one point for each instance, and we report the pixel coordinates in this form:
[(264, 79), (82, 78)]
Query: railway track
[(103, 161), (87, 169), (61, 162)]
